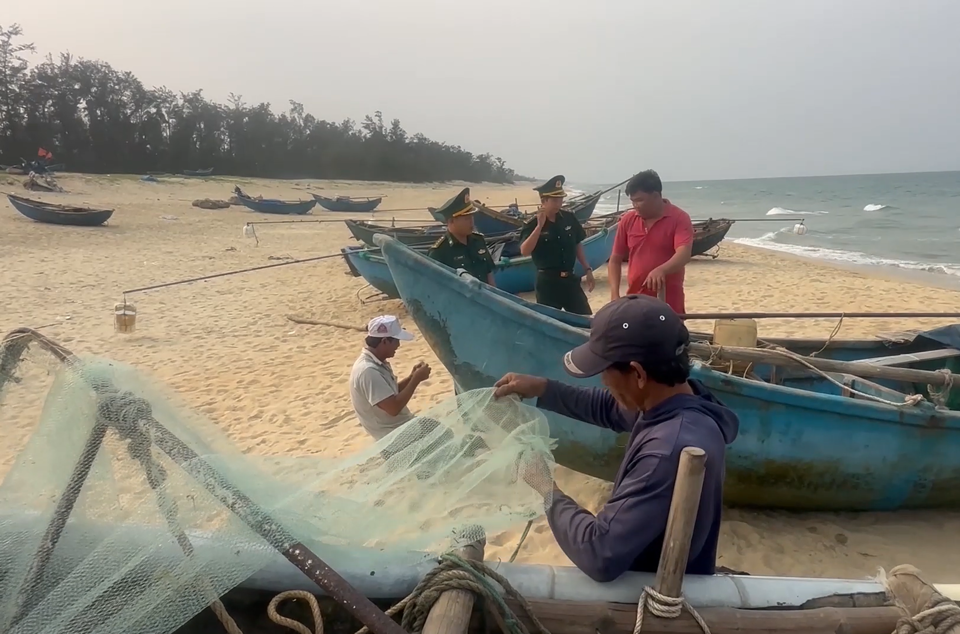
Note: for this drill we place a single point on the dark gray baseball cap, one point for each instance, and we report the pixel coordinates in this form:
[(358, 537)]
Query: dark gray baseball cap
[(633, 328)]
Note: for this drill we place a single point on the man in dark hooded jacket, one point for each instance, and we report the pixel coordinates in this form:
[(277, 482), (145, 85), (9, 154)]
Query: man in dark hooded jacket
[(639, 345)]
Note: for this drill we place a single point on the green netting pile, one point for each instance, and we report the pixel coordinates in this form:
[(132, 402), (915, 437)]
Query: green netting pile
[(122, 564)]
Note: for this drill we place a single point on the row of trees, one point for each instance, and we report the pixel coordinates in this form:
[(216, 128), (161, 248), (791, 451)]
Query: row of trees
[(100, 120)]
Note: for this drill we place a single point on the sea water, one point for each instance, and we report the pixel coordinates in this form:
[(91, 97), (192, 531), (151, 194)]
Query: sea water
[(907, 221)]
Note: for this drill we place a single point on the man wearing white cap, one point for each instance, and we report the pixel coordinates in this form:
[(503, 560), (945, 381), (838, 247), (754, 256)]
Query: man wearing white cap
[(379, 400)]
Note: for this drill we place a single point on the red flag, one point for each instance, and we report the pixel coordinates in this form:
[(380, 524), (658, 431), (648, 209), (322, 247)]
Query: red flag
[(42, 153)]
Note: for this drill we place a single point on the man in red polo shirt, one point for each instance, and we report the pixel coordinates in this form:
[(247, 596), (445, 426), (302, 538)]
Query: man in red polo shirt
[(655, 237)]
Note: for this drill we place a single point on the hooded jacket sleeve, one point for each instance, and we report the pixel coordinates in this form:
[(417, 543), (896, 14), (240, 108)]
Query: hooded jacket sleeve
[(588, 404), (606, 545)]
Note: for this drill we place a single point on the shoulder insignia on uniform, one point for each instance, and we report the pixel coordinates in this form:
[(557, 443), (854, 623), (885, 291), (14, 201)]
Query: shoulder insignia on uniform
[(438, 243), (477, 233)]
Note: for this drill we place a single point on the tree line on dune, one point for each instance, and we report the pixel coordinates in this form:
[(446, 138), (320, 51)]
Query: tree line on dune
[(96, 119)]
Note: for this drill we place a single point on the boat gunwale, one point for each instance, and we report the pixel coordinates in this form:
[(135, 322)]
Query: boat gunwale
[(56, 207), (501, 265), (410, 231), (361, 199)]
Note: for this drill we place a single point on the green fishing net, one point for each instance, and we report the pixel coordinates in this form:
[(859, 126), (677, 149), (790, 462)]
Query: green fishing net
[(151, 539)]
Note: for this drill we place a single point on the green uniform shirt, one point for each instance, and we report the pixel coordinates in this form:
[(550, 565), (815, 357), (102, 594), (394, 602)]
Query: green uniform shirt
[(556, 249), (472, 256)]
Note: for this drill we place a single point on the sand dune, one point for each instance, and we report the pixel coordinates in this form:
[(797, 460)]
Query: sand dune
[(278, 387)]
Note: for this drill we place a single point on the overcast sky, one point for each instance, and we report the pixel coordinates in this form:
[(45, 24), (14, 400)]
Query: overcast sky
[(697, 89)]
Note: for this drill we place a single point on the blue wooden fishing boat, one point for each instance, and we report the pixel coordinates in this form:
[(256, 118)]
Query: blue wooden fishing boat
[(804, 444), (348, 204), (513, 275), (204, 172), (54, 214), (274, 206), (490, 221)]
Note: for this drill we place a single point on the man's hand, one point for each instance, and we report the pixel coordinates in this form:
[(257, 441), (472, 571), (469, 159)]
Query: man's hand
[(523, 385), (420, 372), (591, 283), (541, 218), (656, 279), (536, 473)]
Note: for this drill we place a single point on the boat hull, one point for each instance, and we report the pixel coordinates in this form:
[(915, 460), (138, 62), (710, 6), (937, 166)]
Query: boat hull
[(340, 205), (710, 236), (796, 449), (278, 207), (512, 275), (37, 211)]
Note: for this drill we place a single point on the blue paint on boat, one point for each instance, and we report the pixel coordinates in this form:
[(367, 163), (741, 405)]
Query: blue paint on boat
[(802, 445), (490, 222), (512, 275), (274, 206), (347, 204)]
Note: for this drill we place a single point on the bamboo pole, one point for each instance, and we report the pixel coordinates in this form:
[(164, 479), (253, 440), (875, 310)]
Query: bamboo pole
[(834, 315), (573, 617), (451, 613), (680, 521), (865, 370), (319, 322)]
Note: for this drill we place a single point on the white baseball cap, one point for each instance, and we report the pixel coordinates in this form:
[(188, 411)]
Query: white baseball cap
[(387, 326)]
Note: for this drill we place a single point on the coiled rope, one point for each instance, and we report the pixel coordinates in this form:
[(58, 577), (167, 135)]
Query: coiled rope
[(452, 573), (939, 616)]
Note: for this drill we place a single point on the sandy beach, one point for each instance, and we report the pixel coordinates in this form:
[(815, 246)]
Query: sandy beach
[(275, 387)]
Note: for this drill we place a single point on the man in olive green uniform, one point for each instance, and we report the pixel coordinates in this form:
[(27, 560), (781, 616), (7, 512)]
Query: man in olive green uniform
[(461, 247), (553, 240)]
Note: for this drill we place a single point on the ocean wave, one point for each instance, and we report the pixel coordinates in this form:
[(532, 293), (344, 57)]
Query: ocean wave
[(875, 207), (780, 211), (768, 241)]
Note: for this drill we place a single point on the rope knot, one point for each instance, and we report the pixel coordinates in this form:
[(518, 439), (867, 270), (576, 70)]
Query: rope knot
[(940, 396), (665, 607)]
